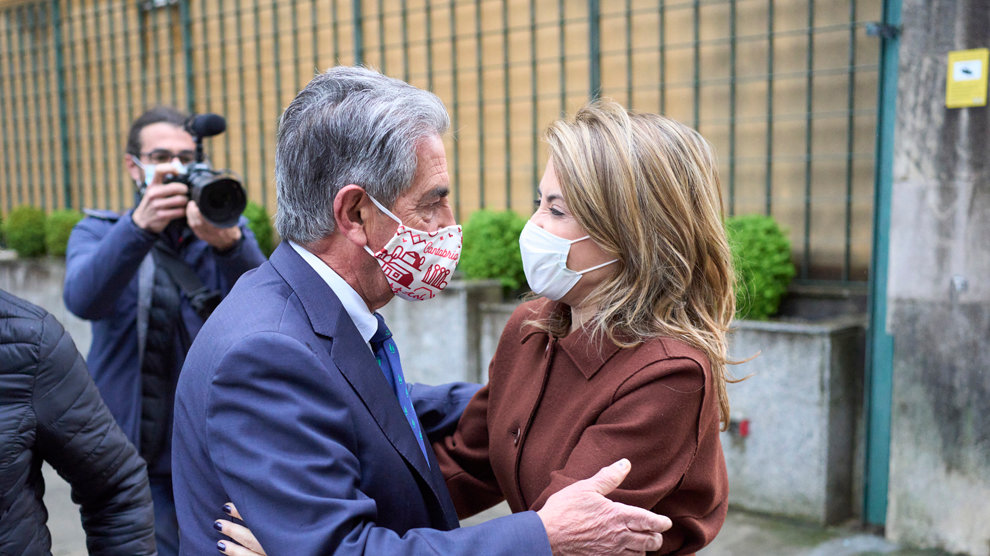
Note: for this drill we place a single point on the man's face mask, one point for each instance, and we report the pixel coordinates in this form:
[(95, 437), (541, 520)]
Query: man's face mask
[(418, 264), (150, 170)]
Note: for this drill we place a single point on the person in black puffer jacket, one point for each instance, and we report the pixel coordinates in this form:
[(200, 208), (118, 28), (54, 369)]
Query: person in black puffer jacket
[(50, 410)]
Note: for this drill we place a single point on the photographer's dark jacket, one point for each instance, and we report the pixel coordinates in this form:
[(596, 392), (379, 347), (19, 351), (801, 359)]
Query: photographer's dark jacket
[(103, 259), (50, 410)]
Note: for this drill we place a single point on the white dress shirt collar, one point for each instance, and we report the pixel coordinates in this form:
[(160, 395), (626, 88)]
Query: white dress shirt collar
[(355, 306)]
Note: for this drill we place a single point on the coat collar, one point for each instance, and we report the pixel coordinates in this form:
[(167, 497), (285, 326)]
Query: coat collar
[(588, 356), (354, 359)]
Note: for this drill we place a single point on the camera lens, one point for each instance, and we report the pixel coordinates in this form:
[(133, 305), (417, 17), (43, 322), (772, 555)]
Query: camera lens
[(220, 197)]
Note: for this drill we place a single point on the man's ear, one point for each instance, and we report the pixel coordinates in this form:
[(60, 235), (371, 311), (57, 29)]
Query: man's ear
[(133, 170), (349, 210)]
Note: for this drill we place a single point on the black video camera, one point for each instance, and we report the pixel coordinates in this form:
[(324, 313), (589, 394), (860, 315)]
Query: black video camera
[(218, 194)]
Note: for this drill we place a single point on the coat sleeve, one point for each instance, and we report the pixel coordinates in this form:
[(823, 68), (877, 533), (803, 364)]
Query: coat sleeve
[(440, 407), (79, 438), (100, 260), (464, 460), (661, 443), (281, 442)]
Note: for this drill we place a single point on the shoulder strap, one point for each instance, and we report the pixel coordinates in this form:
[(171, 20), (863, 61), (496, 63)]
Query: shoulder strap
[(203, 299)]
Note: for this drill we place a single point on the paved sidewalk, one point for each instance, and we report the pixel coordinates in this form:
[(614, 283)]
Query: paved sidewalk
[(744, 534)]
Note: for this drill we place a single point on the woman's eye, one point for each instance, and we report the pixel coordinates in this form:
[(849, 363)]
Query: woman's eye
[(556, 212), (536, 203)]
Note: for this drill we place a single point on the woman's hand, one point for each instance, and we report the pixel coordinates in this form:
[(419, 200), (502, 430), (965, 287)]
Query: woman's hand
[(243, 542)]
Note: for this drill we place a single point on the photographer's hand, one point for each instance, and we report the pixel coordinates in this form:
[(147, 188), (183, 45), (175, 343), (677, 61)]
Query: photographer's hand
[(221, 239), (162, 202)]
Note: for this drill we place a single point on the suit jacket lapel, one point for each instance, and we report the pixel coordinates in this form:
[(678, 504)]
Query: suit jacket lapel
[(352, 356)]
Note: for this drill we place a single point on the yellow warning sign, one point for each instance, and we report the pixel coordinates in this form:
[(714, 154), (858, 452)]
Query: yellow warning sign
[(966, 84)]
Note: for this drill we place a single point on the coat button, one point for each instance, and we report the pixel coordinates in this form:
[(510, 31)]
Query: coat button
[(515, 436)]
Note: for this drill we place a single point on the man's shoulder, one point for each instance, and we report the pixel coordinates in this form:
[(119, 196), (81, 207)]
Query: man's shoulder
[(102, 214)]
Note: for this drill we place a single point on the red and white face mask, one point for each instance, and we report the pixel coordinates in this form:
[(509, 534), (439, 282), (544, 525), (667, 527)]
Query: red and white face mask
[(418, 264)]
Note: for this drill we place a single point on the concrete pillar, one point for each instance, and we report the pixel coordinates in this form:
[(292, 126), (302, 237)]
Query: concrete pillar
[(939, 290)]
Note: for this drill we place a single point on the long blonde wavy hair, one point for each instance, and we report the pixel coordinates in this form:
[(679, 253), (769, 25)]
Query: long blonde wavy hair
[(646, 189)]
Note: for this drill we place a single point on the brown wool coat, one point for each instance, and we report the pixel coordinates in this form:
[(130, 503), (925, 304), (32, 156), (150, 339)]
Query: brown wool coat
[(556, 410)]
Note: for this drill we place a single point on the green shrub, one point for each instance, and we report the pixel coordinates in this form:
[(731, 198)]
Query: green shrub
[(761, 254), (261, 225), (58, 226), (491, 248), (25, 231)]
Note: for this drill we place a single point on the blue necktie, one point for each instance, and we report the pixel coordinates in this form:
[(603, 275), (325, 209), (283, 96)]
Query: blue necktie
[(388, 359)]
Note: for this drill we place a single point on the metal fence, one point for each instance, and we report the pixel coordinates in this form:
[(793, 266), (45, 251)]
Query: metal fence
[(785, 89)]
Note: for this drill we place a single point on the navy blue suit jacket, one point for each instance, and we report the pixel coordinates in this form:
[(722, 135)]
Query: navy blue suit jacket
[(282, 409)]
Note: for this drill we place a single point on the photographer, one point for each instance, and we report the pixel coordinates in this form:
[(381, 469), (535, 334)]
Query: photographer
[(147, 279)]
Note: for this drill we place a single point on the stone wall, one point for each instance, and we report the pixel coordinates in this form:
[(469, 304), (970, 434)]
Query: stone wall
[(939, 291)]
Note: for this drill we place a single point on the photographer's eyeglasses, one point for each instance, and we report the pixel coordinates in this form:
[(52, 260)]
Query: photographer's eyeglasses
[(164, 156)]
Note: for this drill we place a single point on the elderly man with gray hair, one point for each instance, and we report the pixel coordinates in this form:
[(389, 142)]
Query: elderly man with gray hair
[(292, 404)]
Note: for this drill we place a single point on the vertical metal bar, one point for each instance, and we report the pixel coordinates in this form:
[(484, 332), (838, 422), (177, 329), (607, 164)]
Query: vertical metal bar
[(276, 66), (90, 140), (77, 141), (732, 107), (880, 345), (479, 69), (98, 63), (206, 52), (259, 81), (127, 60), (36, 160), (224, 69), (507, 105), (534, 99), (381, 36), (768, 187), (314, 30), (8, 156), (170, 63), (629, 55), (850, 140), (429, 45), (696, 63), (594, 50), (334, 22), (115, 108), (51, 149), (456, 106), (185, 21), (144, 32), (63, 110), (404, 11), (662, 34), (808, 138), (296, 58), (562, 57), (241, 70), (358, 33), (19, 113)]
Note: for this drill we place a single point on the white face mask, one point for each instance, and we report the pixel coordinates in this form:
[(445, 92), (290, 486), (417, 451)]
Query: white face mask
[(418, 264), (544, 258), (150, 170)]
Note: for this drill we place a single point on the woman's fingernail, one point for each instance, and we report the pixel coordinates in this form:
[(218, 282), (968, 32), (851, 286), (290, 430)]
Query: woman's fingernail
[(218, 526), (222, 546), (228, 509)]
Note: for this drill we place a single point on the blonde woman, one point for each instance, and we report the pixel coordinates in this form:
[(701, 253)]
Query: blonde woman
[(623, 355)]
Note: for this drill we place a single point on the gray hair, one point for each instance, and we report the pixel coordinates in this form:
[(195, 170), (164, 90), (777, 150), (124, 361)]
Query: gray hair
[(349, 125)]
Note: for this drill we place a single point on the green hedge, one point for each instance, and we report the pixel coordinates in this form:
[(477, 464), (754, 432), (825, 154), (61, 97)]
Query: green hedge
[(491, 248), (261, 226), (24, 229), (761, 254), (58, 226)]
